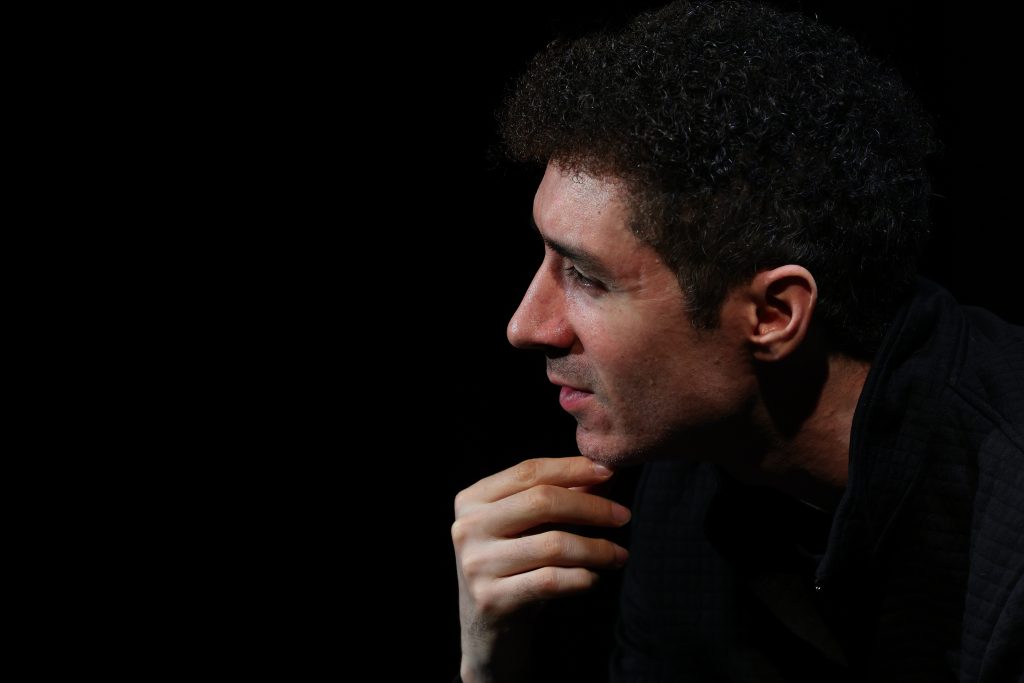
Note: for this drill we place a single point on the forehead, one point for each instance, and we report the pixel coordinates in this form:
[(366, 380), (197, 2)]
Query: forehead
[(565, 193), (589, 215)]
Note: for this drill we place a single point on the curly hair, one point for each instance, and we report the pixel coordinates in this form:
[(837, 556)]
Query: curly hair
[(748, 138)]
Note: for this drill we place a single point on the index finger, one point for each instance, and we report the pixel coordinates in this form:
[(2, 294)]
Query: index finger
[(566, 472)]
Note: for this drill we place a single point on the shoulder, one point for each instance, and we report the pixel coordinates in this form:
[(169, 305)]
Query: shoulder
[(990, 378)]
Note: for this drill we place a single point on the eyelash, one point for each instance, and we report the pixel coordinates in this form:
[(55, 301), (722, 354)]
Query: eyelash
[(579, 277)]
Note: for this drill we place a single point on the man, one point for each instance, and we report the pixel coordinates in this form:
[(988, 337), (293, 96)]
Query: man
[(833, 484)]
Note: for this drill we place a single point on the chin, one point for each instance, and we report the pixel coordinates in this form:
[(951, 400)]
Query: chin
[(612, 451)]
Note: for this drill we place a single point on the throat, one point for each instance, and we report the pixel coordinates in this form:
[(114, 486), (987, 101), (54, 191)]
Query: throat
[(813, 484), (811, 461)]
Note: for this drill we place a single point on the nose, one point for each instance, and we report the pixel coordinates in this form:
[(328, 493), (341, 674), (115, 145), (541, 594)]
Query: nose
[(540, 321)]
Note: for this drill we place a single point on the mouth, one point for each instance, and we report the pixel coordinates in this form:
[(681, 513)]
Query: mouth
[(570, 397)]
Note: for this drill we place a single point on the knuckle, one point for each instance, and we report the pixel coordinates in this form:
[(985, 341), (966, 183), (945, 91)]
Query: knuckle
[(461, 501), (547, 581), (460, 532), (487, 600), (552, 545), (542, 498), (472, 565), (526, 472)]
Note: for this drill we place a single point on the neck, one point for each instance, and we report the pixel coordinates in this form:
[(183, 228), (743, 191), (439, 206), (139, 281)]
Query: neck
[(804, 428)]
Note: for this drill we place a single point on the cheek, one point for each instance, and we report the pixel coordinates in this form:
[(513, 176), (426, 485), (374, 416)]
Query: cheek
[(604, 328), (637, 351), (619, 352)]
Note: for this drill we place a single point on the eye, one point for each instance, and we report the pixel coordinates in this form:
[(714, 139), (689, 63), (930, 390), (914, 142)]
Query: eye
[(579, 277)]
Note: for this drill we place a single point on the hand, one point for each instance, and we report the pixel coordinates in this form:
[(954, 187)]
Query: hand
[(507, 560)]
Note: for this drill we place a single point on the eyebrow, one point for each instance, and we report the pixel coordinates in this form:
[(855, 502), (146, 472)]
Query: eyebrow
[(590, 264)]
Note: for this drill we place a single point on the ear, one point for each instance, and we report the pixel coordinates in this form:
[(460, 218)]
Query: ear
[(784, 300)]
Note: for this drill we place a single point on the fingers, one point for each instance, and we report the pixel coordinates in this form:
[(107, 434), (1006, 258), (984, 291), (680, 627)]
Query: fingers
[(550, 549), (565, 472), (507, 557), (551, 505), (508, 594)]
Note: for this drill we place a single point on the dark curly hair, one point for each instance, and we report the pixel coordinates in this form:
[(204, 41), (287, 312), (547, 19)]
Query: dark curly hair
[(748, 138)]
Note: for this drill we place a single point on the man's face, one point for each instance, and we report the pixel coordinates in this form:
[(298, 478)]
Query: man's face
[(610, 317)]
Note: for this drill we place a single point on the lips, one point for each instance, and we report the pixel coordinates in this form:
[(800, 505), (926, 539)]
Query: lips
[(570, 397)]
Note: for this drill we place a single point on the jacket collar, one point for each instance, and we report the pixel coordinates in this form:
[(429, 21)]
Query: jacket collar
[(898, 409)]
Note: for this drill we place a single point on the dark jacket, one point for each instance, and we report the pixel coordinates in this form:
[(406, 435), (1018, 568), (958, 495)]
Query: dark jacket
[(917, 577)]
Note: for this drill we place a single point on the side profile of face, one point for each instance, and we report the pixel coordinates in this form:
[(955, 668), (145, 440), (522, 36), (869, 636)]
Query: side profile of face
[(611, 319)]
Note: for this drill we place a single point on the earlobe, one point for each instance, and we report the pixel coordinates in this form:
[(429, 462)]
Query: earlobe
[(784, 299)]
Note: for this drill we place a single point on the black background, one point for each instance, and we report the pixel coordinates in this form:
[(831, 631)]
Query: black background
[(338, 251), (452, 252)]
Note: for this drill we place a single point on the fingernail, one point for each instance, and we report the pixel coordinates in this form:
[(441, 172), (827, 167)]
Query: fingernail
[(601, 470), (621, 555), (621, 514)]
